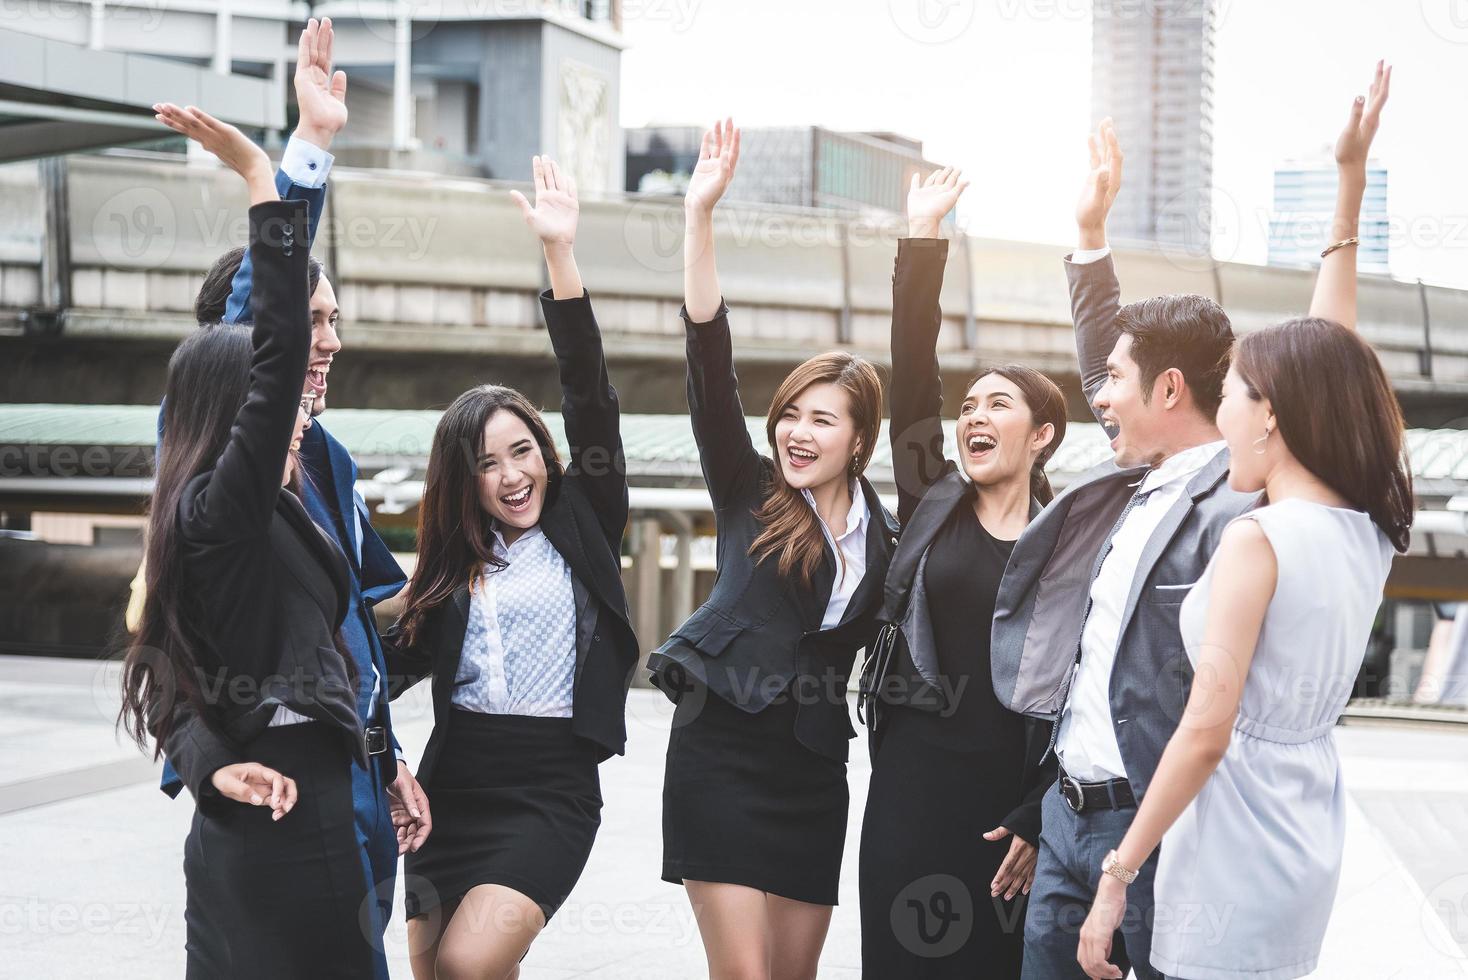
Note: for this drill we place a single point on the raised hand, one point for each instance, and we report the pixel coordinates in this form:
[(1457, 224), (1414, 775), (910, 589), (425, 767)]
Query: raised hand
[(321, 93), (717, 157), (1102, 183), (929, 200), (1354, 144), (256, 785), (233, 148), (553, 217)]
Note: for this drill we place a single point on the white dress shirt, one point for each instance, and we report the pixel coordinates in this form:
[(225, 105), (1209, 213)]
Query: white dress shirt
[(519, 655), (849, 551), (305, 163), (1086, 741)]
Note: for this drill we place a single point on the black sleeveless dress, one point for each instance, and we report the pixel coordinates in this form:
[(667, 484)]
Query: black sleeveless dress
[(938, 784)]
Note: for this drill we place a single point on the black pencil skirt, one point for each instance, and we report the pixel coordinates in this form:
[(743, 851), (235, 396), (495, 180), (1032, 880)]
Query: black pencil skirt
[(745, 803), (281, 898), (516, 801)]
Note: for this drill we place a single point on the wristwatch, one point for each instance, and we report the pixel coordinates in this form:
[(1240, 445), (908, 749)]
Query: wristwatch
[(1110, 865)]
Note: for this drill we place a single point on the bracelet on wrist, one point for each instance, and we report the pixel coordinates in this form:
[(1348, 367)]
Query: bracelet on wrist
[(1353, 240)]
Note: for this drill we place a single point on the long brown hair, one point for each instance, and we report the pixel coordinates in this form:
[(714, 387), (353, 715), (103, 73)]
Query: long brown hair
[(791, 527), (455, 535), (1336, 412), (1046, 404)]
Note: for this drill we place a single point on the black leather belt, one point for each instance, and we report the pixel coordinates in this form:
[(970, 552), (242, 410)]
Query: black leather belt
[(377, 742), (1113, 794)]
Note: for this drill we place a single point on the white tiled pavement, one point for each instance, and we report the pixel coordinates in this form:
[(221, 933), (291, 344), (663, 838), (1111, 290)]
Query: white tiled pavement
[(91, 882)]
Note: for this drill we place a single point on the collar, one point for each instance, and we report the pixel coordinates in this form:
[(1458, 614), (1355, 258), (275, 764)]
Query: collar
[(1181, 466), (856, 517), (529, 534)]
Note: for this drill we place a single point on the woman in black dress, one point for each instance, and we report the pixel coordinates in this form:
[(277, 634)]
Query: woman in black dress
[(516, 610), (952, 820), (235, 671), (755, 795)]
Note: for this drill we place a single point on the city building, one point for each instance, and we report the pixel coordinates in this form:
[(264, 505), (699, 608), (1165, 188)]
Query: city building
[(1304, 203), (1152, 73), (451, 86), (798, 166)]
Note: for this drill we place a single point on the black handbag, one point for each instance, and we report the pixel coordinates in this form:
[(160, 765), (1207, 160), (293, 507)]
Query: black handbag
[(874, 672)]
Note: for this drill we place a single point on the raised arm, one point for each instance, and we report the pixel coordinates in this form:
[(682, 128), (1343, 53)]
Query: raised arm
[(725, 450), (239, 497), (589, 407), (1095, 295), (321, 98), (916, 432), (1335, 286)]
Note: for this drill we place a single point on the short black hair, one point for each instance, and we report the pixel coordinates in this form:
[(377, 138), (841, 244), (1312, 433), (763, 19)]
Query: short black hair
[(219, 281), (1188, 332)]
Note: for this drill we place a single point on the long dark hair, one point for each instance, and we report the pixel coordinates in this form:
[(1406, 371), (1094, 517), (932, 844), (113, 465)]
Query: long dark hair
[(208, 379), (1336, 412), (1046, 403), (789, 526), (455, 535)]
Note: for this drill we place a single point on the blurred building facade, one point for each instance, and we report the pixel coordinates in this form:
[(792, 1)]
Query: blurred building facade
[(1152, 73), (449, 86), (1304, 204), (797, 166)]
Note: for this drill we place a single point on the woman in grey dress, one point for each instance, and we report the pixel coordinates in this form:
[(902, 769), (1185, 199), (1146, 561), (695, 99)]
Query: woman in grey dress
[(1247, 800)]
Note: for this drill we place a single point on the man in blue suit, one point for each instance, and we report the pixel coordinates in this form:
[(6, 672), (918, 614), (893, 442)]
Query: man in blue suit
[(386, 793)]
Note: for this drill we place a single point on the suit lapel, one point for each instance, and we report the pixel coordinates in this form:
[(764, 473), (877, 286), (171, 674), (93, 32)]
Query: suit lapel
[(319, 546), (880, 545), (1201, 484), (330, 461)]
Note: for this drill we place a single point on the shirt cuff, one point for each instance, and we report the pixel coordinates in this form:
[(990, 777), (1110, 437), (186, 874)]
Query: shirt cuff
[(306, 164), (1085, 256)]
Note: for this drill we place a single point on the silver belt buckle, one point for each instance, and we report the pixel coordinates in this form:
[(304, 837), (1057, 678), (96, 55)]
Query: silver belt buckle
[(1070, 791), (376, 737)]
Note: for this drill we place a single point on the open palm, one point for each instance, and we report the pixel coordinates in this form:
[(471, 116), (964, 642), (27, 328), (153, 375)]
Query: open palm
[(718, 155), (1354, 143), (554, 215), (321, 94), (929, 200), (1104, 178)]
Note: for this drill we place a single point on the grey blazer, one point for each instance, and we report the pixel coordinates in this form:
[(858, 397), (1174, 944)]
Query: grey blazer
[(1042, 600)]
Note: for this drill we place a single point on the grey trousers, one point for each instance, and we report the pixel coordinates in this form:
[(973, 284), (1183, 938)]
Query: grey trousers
[(1071, 848)]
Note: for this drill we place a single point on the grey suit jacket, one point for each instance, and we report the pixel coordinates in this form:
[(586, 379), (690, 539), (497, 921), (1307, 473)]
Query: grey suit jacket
[(1042, 600)]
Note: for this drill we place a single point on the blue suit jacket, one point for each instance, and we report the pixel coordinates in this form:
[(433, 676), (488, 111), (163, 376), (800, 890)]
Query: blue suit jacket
[(331, 498)]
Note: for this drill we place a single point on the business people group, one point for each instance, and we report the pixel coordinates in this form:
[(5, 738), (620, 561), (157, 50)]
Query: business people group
[(1072, 701)]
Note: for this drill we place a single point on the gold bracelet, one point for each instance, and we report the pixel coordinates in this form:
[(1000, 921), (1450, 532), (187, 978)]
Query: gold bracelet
[(1353, 240)]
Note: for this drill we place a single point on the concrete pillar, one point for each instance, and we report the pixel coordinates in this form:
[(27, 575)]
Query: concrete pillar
[(402, 81), (682, 593), (223, 28), (647, 575), (95, 36)]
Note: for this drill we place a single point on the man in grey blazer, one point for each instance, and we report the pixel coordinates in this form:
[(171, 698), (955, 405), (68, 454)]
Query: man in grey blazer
[(1086, 623)]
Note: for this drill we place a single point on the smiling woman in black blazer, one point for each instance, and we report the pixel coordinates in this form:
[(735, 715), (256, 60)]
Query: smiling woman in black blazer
[(516, 609), (235, 671), (755, 796)]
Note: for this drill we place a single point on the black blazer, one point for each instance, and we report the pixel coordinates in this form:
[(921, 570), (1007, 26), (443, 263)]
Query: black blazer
[(930, 487), (758, 631), (584, 519), (269, 586)]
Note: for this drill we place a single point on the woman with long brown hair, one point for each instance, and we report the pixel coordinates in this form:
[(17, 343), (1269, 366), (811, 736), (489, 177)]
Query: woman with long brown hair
[(516, 609), (755, 795), (953, 811), (1248, 794)]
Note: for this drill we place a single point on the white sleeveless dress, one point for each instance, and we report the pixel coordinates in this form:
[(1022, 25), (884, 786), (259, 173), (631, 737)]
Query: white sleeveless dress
[(1247, 876)]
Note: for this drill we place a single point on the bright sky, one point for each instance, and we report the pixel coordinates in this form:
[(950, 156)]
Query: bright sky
[(1002, 89)]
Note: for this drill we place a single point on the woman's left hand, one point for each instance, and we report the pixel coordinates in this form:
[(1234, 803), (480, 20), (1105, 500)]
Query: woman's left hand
[(233, 148), (1107, 912), (556, 211), (408, 806), (1017, 874)]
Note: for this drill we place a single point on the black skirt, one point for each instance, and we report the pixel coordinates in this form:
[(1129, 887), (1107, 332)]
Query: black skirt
[(745, 803), (516, 801), (281, 898)]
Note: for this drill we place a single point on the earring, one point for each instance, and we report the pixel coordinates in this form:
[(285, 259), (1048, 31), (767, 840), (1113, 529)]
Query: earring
[(1259, 444)]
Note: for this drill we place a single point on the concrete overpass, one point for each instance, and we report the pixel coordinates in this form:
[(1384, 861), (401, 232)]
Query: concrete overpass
[(437, 280)]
